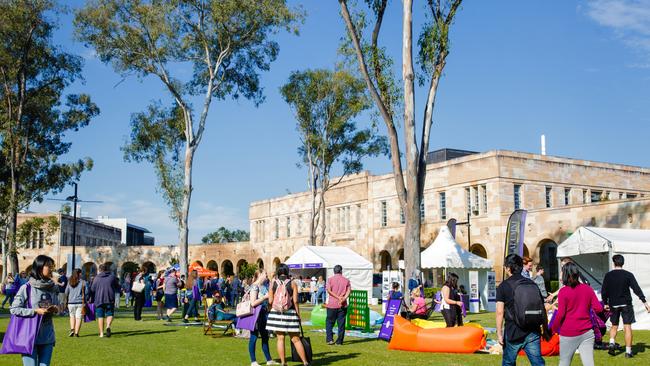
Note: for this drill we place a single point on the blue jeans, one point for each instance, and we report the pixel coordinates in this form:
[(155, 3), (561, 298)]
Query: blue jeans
[(530, 345), (320, 295), (337, 315), (41, 356), (260, 332)]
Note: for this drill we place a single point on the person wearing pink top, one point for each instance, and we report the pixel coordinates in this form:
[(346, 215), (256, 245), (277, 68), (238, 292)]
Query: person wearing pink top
[(573, 319), (338, 289)]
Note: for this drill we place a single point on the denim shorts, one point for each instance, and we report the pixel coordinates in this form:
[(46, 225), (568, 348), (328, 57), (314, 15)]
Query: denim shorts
[(104, 310)]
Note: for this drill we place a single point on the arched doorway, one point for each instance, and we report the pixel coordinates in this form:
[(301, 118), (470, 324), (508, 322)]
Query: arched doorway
[(129, 267), (213, 266), (110, 266), (384, 260), (227, 268), (400, 254), (479, 250), (526, 252), (88, 270), (240, 264), (199, 263), (260, 263), (548, 259), (276, 263), (151, 268)]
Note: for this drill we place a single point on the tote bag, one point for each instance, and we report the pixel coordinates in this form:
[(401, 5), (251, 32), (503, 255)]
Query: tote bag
[(21, 331), (89, 316), (137, 287), (306, 344)]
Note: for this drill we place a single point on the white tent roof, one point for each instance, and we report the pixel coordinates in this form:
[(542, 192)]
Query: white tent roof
[(598, 240), (309, 256), (445, 252)]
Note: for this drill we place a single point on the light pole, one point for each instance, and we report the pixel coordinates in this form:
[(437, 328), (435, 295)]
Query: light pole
[(74, 200), (469, 231)]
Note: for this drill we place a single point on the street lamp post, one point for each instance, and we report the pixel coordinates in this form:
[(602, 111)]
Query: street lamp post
[(469, 231), (74, 200)]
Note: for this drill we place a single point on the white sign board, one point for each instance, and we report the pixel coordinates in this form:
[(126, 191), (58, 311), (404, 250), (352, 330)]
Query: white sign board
[(474, 298), (491, 291), (388, 277)]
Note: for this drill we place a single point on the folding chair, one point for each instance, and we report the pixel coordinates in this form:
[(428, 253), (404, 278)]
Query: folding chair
[(208, 328)]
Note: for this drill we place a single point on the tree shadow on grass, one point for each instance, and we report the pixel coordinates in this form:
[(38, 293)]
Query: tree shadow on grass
[(131, 333), (329, 358)]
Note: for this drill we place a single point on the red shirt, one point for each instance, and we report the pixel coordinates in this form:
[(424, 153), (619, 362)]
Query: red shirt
[(339, 286), (573, 318)]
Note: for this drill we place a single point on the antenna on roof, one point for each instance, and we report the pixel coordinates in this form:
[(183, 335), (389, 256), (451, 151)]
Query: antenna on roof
[(543, 144)]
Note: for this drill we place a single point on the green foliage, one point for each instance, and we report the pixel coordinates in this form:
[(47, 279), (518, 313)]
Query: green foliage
[(66, 209), (30, 228), (430, 292), (554, 286), (223, 235), (325, 104), (247, 270)]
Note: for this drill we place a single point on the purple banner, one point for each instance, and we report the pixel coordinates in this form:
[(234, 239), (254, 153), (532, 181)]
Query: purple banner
[(451, 224), (313, 265), (392, 309), (515, 233), (295, 266)]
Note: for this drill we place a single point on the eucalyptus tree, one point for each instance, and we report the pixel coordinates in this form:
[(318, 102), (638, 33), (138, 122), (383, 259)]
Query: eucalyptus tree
[(375, 66), (227, 43), (35, 112)]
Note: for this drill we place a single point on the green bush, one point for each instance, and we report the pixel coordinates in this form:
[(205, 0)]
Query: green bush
[(431, 292), (555, 285)]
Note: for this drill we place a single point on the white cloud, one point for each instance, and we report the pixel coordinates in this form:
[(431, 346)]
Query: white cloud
[(629, 19)]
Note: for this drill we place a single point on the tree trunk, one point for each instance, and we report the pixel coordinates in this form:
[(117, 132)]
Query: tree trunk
[(323, 210), (187, 195)]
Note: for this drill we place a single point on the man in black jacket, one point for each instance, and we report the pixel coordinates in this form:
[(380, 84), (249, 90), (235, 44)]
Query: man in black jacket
[(616, 297)]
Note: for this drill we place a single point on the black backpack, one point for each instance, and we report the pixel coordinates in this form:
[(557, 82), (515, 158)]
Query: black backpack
[(528, 305)]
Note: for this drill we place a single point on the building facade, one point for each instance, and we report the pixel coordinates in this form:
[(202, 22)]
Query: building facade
[(363, 213), (89, 233), (131, 234)]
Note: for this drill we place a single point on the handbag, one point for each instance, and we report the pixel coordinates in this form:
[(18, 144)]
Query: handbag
[(249, 322), (244, 308), (137, 287), (90, 312), (22, 331), (306, 344)]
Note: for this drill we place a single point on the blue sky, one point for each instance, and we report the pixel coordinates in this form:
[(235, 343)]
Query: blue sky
[(577, 71)]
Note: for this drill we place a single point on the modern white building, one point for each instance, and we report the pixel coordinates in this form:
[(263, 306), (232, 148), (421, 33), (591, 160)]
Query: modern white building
[(131, 234)]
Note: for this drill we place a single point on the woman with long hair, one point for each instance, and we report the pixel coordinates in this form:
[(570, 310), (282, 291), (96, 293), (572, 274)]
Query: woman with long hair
[(285, 321), (193, 307), (43, 298), (160, 293), (258, 293), (75, 294), (450, 303), (573, 318), (9, 289), (139, 297)]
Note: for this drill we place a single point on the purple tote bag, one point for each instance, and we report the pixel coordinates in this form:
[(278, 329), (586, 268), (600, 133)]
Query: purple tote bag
[(90, 312), (248, 322), (21, 332)]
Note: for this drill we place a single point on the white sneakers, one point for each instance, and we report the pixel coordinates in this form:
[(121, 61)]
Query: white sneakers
[(269, 363)]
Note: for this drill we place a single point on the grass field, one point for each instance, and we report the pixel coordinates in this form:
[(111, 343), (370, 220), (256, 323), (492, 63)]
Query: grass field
[(152, 343)]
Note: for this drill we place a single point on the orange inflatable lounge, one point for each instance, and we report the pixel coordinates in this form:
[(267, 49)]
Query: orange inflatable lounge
[(550, 348), (409, 337)]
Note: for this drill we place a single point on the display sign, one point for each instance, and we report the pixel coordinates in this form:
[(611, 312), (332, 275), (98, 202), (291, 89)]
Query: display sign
[(295, 266), (474, 297), (515, 233), (491, 291), (313, 265), (392, 309), (388, 277)]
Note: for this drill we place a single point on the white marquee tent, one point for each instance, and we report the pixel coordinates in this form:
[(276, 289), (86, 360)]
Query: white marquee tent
[(592, 249), (355, 267), (446, 253)]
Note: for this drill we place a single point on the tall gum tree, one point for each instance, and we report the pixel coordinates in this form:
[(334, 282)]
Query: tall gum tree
[(227, 42), (35, 114), (374, 66)]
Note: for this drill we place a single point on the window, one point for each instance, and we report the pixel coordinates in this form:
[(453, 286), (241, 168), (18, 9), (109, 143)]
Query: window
[(402, 218), (288, 226), (475, 208), (631, 196), (277, 229), (584, 196), (443, 205), (517, 196), (567, 196), (359, 216), (64, 240), (41, 235), (422, 209), (484, 195), (299, 229), (328, 220), (548, 196), (468, 200), (596, 196), (384, 214)]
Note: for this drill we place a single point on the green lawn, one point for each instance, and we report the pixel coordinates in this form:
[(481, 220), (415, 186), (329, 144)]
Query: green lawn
[(152, 343)]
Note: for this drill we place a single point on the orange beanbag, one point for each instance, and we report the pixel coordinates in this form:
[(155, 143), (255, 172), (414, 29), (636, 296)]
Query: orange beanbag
[(409, 337), (550, 348)]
